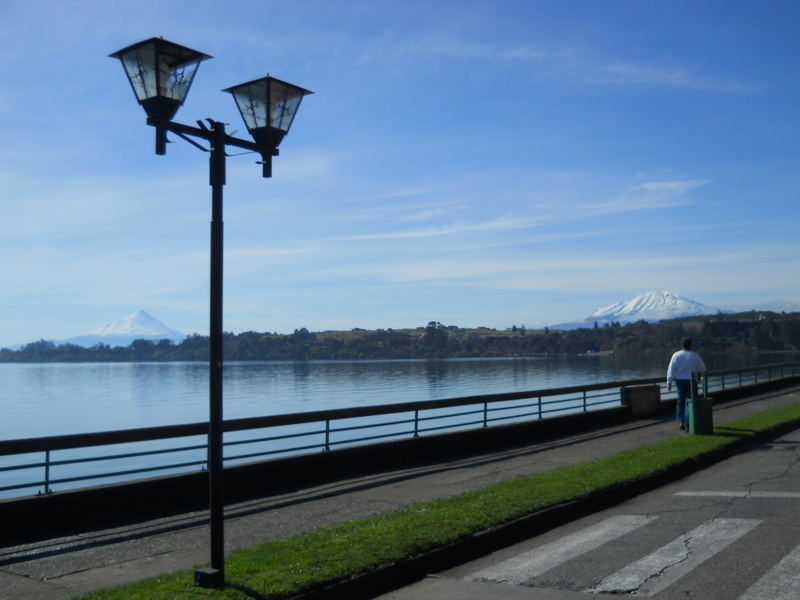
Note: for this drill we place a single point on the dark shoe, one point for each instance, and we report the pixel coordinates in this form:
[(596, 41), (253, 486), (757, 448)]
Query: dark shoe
[(682, 427)]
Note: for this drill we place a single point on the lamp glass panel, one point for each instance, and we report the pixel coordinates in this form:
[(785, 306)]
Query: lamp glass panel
[(175, 74), (139, 64), (284, 101), (252, 102)]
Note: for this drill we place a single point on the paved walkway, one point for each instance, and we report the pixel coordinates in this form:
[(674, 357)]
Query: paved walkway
[(67, 567)]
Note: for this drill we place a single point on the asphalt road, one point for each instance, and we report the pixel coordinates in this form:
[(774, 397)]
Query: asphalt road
[(730, 532)]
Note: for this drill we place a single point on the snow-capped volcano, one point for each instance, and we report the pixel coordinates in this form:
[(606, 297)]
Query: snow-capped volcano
[(137, 326), (650, 306)]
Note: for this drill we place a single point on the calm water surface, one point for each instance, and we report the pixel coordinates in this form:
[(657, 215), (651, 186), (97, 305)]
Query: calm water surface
[(52, 399)]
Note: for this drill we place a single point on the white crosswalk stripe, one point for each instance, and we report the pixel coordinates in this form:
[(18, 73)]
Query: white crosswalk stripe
[(669, 563), (782, 582), (741, 494), (534, 562)]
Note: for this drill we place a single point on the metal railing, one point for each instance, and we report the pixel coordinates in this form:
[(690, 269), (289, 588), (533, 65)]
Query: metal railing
[(36, 465)]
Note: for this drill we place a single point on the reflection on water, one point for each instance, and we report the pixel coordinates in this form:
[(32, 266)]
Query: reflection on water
[(51, 399)]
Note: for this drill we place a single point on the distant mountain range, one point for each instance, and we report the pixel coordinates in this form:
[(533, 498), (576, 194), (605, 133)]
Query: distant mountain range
[(136, 326), (658, 306), (777, 306), (650, 306)]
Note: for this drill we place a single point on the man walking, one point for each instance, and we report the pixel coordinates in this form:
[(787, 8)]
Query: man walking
[(679, 372)]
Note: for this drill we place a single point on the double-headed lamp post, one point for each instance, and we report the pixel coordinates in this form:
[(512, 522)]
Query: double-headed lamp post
[(161, 74)]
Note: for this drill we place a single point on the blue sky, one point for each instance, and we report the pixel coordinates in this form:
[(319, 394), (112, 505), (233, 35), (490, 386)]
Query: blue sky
[(475, 162)]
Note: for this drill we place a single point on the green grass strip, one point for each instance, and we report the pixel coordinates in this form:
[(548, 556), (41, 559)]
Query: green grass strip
[(287, 567)]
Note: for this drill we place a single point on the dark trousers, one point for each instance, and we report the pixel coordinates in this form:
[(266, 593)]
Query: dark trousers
[(683, 388)]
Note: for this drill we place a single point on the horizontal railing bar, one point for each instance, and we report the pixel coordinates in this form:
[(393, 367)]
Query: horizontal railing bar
[(601, 403), (100, 475), (128, 472), (88, 459), (372, 425), (22, 467), (22, 486), (275, 438), (451, 426), (273, 452), (450, 415), (369, 438), (509, 417), (104, 438)]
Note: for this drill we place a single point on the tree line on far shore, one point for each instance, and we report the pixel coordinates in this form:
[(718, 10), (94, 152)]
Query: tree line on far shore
[(742, 332)]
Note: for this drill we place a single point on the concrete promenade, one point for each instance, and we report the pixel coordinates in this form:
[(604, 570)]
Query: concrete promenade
[(66, 567)]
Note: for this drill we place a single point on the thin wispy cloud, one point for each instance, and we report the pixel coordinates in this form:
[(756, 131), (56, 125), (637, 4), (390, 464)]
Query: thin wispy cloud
[(425, 214), (671, 187), (582, 62), (622, 72), (494, 225), (651, 195)]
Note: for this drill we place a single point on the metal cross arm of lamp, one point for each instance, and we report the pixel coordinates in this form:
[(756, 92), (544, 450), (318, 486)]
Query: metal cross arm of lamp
[(210, 134), (161, 73)]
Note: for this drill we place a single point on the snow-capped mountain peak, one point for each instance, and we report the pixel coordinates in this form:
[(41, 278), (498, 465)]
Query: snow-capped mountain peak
[(136, 326), (651, 306)]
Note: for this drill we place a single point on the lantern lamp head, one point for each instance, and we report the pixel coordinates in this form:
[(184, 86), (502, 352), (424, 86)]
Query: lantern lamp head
[(161, 74), (268, 107)]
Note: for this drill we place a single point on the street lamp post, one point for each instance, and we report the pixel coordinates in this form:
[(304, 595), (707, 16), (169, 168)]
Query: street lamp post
[(161, 73)]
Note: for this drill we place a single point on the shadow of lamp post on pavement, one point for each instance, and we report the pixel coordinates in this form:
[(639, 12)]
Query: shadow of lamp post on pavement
[(161, 73)]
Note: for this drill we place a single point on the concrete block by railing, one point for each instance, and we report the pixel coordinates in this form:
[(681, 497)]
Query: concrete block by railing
[(643, 400)]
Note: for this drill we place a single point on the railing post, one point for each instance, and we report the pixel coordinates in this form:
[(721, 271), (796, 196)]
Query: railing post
[(540, 407), (584, 401), (327, 436), (485, 414), (47, 489), (416, 423)]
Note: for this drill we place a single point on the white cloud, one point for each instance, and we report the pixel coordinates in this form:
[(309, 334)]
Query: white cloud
[(583, 62), (650, 195), (672, 187), (623, 72), (505, 223)]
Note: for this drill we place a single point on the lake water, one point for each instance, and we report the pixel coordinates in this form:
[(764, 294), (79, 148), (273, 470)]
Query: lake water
[(43, 399)]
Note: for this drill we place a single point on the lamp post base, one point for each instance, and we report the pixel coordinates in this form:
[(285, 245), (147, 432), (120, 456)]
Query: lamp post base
[(209, 578)]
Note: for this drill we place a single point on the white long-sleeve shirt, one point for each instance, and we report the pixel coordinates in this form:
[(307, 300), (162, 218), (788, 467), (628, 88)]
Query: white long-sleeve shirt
[(682, 364)]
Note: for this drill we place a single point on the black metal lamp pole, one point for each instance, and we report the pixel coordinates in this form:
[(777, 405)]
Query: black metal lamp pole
[(215, 353), (161, 73)]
